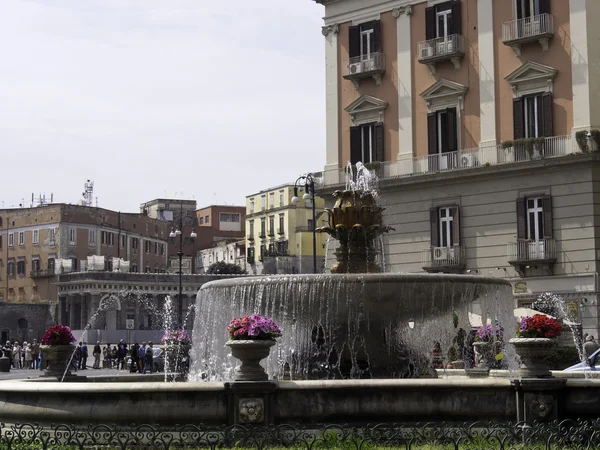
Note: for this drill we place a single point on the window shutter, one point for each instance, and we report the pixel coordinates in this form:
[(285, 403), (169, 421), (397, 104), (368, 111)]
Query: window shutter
[(379, 142), (430, 23), (377, 36), (544, 6), (355, 145), (547, 206), (456, 226), (354, 41), (518, 119), (521, 219), (432, 133), (547, 114), (456, 17), (452, 128), (434, 226)]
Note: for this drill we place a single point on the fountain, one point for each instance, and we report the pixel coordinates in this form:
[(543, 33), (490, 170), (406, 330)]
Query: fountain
[(352, 323)]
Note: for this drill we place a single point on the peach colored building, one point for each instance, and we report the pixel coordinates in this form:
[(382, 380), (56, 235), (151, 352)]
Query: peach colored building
[(481, 118)]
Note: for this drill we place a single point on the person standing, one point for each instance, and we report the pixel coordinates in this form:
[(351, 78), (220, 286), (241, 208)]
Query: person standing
[(149, 358), (121, 354), (16, 354), (84, 357), (35, 354), (108, 356), (96, 353), (134, 358), (142, 358), (28, 356), (590, 346)]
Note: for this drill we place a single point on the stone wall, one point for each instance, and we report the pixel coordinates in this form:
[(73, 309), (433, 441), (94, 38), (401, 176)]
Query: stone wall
[(24, 321)]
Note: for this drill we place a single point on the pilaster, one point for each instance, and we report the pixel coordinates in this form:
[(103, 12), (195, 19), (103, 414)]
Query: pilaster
[(331, 97), (487, 93), (404, 69)]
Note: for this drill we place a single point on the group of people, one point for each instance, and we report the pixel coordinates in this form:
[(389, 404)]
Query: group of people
[(23, 356), (115, 356)]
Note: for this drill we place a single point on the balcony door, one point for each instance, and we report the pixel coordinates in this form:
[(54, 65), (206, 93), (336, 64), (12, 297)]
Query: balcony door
[(444, 32), (535, 227), (442, 138), (527, 8)]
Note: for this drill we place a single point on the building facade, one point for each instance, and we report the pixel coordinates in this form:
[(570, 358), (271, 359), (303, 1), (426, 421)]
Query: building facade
[(280, 233), (227, 250), (38, 243), (481, 119)]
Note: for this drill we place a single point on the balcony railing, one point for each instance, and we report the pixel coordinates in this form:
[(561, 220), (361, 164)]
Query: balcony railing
[(446, 48), (443, 259), (365, 66), (525, 251), (529, 29), (42, 273), (552, 147)]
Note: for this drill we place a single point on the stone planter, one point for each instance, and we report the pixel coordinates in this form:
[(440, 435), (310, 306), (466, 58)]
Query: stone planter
[(178, 358), (533, 353), (250, 353), (58, 357)]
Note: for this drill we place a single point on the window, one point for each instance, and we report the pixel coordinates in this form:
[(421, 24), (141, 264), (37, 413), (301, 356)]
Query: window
[(92, 238), (365, 39), (263, 226), (148, 269), (10, 269), (72, 236), (310, 225), (206, 221), (134, 267), (156, 268), (0, 241), (11, 239), (271, 225), (21, 238), (251, 226), (35, 265), (36, 237), (135, 244), (108, 238), (442, 130), (280, 198), (251, 205), (442, 21), (263, 201), (251, 255), (123, 240), (148, 246), (51, 264), (366, 143), (162, 249), (156, 248), (271, 199), (51, 236), (528, 8), (21, 267), (229, 217), (201, 220), (445, 226), (532, 116), (281, 223), (534, 218), (282, 247)]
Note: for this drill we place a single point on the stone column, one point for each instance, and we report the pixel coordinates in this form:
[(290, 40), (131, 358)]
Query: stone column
[(405, 112), (72, 311), (487, 96), (94, 314), (332, 75), (83, 313), (585, 63)]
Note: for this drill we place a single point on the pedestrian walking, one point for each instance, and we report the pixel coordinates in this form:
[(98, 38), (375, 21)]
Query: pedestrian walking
[(96, 353)]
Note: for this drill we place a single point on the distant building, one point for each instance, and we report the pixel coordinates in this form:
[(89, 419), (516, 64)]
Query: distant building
[(230, 251), (280, 233)]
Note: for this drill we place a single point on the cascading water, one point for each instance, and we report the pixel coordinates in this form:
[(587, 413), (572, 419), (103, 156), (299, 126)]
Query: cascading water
[(353, 323)]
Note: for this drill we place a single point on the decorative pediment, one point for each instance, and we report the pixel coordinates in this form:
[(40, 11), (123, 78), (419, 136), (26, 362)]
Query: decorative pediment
[(366, 109), (443, 92), (531, 77)]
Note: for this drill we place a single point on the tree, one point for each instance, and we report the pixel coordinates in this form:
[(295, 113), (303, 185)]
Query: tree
[(223, 268)]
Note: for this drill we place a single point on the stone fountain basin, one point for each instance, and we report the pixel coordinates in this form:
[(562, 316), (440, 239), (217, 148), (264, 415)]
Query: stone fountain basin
[(335, 325)]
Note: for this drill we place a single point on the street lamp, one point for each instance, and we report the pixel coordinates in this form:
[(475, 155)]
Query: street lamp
[(178, 232), (309, 194)]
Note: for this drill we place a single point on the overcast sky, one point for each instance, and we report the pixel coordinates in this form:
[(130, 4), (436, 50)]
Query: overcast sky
[(203, 99)]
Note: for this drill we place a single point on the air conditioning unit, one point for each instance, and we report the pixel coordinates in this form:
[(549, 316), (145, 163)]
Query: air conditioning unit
[(355, 68), (445, 47), (440, 253), (466, 160), (426, 52)]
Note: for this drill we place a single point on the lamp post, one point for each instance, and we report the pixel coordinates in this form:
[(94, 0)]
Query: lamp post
[(309, 194), (174, 234)]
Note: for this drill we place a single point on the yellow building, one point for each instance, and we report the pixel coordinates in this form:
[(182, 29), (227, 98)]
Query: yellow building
[(280, 233)]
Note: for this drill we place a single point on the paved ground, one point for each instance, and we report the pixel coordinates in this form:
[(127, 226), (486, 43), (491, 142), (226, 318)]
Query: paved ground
[(23, 374)]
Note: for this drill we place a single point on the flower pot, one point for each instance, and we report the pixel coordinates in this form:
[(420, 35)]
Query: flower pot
[(533, 353), (58, 357), (250, 353), (177, 358)]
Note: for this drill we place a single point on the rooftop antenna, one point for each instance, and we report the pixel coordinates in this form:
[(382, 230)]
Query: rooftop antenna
[(88, 194), (41, 200)]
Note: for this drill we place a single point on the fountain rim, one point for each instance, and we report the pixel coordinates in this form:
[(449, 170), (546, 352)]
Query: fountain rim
[(367, 278)]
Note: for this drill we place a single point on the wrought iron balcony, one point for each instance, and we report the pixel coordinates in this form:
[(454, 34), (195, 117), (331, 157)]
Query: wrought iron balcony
[(525, 251), (443, 259), (538, 28), (42, 273), (365, 66), (447, 48)]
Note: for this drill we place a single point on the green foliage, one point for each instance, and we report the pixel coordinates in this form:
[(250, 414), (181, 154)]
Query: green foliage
[(527, 144), (562, 357), (582, 141), (508, 144), (224, 268), (458, 342)]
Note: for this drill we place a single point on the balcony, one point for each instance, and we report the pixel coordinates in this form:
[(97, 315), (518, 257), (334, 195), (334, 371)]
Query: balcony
[(524, 253), (447, 48), (443, 259), (365, 66), (538, 28), (466, 159), (42, 273)]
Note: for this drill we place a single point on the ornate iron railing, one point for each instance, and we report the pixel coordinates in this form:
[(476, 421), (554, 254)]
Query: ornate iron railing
[(563, 435)]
